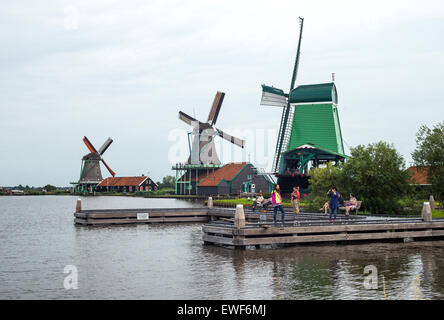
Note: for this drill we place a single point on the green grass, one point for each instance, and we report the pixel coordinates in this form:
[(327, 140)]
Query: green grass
[(437, 214)]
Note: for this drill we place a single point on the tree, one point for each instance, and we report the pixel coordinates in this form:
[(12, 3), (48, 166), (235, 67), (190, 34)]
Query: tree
[(167, 182), (49, 188), (323, 179), (429, 153), (376, 174)]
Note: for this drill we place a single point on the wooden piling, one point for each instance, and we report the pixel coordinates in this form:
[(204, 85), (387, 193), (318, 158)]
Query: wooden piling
[(432, 202), (239, 217), (426, 212), (210, 203), (79, 205)]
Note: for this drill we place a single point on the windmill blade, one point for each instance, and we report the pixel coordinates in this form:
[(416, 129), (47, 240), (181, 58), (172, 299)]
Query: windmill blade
[(230, 138), (214, 111), (188, 119), (272, 96), (109, 169), (105, 146), (89, 145)]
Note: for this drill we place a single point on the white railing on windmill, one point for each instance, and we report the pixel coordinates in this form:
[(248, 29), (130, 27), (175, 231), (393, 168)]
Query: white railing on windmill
[(202, 147)]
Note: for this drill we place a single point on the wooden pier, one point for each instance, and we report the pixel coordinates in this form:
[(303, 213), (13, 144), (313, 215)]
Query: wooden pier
[(172, 215), (140, 216), (240, 234)]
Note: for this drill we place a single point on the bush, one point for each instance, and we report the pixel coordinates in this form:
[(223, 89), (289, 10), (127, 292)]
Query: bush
[(315, 202), (167, 182), (160, 192), (165, 191), (376, 174)]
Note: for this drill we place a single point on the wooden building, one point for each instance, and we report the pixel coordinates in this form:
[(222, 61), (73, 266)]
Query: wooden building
[(234, 178), (126, 184)]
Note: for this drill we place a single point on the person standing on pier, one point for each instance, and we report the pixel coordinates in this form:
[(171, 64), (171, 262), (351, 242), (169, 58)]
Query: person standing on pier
[(276, 200), (295, 199), (334, 202)]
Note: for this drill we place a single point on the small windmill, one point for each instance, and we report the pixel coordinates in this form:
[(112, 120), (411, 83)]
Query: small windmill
[(202, 150), (90, 172)]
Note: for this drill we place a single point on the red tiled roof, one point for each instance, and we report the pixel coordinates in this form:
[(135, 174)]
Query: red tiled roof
[(122, 181), (227, 172), (418, 175)]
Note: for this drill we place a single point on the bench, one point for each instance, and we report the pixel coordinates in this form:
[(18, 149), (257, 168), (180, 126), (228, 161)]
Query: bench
[(358, 206)]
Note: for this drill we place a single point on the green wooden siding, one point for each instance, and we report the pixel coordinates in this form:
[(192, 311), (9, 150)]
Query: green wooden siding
[(316, 124)]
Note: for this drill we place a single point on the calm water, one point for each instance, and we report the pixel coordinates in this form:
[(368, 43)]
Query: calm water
[(38, 239)]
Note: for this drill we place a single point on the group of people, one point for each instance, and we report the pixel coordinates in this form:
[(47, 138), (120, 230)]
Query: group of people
[(276, 201), (336, 201)]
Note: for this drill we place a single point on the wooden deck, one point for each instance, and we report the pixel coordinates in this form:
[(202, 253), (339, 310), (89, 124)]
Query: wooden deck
[(257, 235), (140, 216)]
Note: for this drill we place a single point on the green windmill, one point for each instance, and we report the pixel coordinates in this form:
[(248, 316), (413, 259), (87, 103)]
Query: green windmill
[(310, 131)]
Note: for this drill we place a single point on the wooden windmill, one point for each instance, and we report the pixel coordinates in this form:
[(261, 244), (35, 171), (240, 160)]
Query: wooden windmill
[(202, 148), (90, 173)]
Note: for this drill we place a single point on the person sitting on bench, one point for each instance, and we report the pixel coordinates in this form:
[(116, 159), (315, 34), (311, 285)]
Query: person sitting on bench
[(259, 201), (351, 204), (326, 205), (266, 204), (325, 208)]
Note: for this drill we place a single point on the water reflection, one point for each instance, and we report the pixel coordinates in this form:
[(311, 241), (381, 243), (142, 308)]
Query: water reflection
[(337, 272)]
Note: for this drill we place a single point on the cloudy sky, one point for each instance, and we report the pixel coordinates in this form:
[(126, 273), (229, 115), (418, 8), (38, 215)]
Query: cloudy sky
[(123, 69)]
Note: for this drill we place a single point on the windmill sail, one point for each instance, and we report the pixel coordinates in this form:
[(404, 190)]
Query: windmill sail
[(188, 119), (273, 97), (89, 144), (109, 169), (105, 146), (217, 104), (284, 128), (230, 138)]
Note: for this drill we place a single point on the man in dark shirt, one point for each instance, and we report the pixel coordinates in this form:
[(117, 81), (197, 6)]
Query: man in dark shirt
[(340, 200), (334, 202)]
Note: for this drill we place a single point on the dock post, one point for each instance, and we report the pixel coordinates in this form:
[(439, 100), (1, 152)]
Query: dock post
[(79, 205), (432, 202), (210, 206), (239, 223), (426, 212), (239, 217)]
